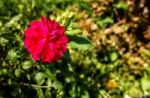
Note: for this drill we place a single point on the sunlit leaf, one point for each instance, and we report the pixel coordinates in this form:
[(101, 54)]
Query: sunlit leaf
[(40, 78), (105, 21), (3, 41), (73, 32), (57, 85), (121, 5), (12, 55), (79, 42), (18, 72), (27, 64), (113, 56)]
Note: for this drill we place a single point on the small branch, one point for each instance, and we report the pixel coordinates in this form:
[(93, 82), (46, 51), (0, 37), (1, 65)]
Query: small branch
[(35, 86)]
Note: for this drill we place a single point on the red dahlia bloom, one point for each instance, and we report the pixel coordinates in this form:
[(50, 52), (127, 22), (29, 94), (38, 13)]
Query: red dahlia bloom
[(45, 40)]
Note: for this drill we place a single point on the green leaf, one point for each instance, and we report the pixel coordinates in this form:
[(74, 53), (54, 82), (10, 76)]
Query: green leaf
[(73, 32), (66, 55), (1, 3), (13, 20), (145, 83), (40, 78), (27, 64), (147, 69), (113, 56), (105, 21), (84, 5), (3, 41), (12, 55), (18, 72), (19, 38), (79, 46), (40, 93), (121, 5), (86, 95), (79, 42), (25, 22), (67, 22), (49, 74), (57, 85)]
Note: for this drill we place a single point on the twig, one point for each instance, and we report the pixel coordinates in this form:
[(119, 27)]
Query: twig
[(35, 86)]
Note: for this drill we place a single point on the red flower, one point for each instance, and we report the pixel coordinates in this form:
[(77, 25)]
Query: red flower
[(45, 40)]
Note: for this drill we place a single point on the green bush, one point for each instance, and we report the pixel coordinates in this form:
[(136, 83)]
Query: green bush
[(107, 56)]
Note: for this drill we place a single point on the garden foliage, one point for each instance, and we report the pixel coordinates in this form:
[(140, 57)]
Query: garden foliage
[(108, 53)]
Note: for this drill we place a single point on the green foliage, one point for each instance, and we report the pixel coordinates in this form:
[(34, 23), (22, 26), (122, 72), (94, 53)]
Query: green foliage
[(79, 42), (108, 51), (121, 5), (104, 22)]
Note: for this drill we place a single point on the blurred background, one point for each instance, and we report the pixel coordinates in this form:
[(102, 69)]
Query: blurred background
[(108, 54)]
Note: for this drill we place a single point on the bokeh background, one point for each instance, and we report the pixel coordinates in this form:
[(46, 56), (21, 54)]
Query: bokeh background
[(108, 51)]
